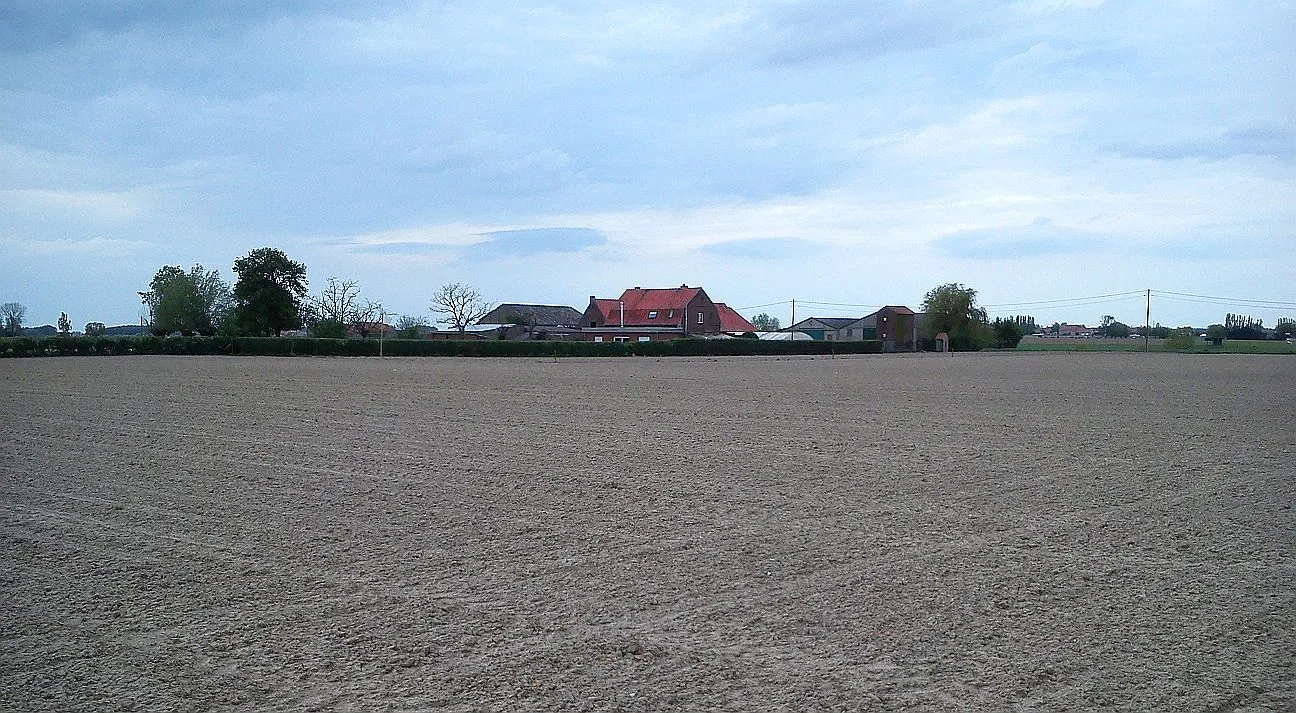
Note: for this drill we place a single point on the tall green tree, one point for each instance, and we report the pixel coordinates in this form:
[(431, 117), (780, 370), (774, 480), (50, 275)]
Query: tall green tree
[(1007, 333), (269, 293), (765, 323), (952, 308), (188, 302), (65, 323)]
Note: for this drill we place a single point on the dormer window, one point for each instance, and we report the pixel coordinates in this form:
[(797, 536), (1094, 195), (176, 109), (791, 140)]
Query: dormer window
[(652, 314)]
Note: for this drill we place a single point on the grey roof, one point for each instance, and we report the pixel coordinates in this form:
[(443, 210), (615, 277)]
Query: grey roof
[(539, 315), (830, 322)]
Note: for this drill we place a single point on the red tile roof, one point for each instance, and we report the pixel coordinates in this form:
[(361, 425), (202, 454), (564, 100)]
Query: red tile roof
[(609, 308), (731, 321), (649, 308)]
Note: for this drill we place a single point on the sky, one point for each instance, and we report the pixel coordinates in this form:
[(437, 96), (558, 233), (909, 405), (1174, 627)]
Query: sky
[(1061, 157)]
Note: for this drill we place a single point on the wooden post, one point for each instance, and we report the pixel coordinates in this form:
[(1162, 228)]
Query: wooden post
[(1147, 322)]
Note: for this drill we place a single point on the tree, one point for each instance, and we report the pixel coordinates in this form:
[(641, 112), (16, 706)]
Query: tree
[(1007, 333), (952, 308), (461, 305), (765, 323), (12, 314), (95, 329), (187, 302), (1026, 322), (336, 302), (269, 293), (330, 312), (1217, 333), (407, 327), (1181, 338), (1286, 327), (65, 323), (1112, 328), (367, 316)]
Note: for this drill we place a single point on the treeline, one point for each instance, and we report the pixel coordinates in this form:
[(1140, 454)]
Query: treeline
[(307, 346)]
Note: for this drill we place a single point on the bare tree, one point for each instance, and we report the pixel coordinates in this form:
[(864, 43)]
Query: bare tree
[(366, 314), (337, 302), (461, 304), (12, 314)]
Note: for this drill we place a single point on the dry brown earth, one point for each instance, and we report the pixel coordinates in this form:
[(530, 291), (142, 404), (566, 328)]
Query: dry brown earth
[(1052, 532)]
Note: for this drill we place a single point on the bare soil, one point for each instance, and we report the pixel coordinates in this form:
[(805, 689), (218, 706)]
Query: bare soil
[(1000, 532)]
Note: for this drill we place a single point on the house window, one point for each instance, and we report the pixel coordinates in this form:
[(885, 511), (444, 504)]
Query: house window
[(701, 318), (598, 339), (850, 333), (652, 314), (620, 339), (645, 339)]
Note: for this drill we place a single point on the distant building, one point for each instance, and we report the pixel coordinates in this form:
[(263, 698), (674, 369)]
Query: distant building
[(824, 329), (896, 326), (651, 315), (533, 315), (731, 322)]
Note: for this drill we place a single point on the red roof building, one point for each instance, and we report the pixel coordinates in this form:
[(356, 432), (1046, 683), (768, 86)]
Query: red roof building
[(731, 322), (652, 314)]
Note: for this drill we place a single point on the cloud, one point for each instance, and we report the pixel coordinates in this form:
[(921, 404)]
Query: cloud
[(764, 248), (1271, 141), (399, 249), (98, 246), (34, 25), (846, 29), (535, 241), (1041, 238), (102, 205)]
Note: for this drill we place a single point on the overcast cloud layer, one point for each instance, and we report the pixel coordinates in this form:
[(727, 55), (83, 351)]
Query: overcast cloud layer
[(855, 153)]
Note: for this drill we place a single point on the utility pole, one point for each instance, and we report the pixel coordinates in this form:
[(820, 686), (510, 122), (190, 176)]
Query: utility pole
[(792, 326), (1147, 322)]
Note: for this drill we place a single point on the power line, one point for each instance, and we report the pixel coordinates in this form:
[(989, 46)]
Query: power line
[(1114, 295), (767, 304), (840, 304), (1187, 297)]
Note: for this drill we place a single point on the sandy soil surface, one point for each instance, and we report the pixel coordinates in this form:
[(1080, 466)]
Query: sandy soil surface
[(1001, 532)]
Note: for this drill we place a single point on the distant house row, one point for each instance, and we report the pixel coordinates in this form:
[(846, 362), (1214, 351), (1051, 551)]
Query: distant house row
[(656, 314), (639, 314)]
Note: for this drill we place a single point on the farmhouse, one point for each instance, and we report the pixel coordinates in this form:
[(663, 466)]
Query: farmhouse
[(652, 314), (896, 326), (528, 321)]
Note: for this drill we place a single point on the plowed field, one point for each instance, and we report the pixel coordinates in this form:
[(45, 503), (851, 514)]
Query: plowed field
[(1052, 532)]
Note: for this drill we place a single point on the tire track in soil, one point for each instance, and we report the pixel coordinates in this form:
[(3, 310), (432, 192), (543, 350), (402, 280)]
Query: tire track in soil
[(582, 570)]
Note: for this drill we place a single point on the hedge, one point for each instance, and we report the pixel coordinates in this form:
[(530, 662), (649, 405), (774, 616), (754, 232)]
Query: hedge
[(304, 346)]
